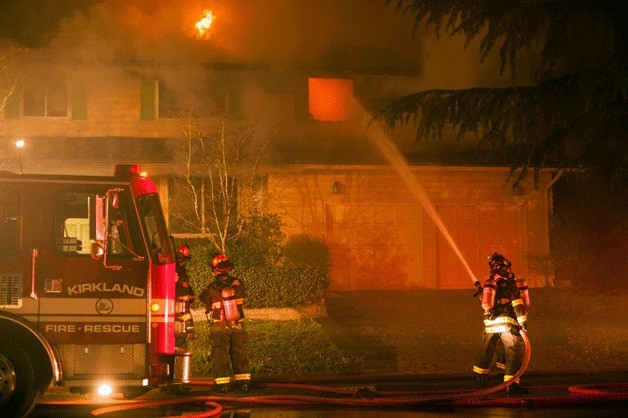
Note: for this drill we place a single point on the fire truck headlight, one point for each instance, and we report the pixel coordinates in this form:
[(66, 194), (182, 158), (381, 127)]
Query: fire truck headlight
[(155, 307), (104, 389)]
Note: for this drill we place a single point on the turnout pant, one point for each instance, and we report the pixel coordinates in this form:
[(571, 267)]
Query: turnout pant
[(513, 351), (229, 352)]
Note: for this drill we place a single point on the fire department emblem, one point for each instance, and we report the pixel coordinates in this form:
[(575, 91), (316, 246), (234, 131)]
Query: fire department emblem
[(104, 306)]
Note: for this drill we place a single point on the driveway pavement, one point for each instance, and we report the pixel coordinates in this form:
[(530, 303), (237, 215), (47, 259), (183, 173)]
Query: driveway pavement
[(439, 331)]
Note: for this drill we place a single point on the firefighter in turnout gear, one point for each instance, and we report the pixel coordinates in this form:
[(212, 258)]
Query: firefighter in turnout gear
[(223, 299), (505, 301), (184, 323)]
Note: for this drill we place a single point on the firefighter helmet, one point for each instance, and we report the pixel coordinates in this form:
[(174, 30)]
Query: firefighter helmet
[(183, 252), (498, 261), (220, 263)]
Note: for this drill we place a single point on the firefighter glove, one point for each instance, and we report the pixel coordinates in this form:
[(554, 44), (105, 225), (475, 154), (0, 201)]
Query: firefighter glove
[(479, 291)]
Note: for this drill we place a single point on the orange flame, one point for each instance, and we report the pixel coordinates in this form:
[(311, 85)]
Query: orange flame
[(203, 25)]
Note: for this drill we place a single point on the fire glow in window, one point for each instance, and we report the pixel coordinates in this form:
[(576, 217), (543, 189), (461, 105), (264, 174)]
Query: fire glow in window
[(330, 99)]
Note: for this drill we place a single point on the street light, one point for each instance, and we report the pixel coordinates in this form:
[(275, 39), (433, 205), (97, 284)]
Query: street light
[(20, 144)]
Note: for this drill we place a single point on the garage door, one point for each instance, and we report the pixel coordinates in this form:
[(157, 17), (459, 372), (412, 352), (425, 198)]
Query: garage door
[(479, 231), (374, 246)]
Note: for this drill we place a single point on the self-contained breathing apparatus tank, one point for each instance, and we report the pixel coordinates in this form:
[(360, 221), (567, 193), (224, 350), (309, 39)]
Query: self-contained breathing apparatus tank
[(488, 295), (229, 305), (522, 285)]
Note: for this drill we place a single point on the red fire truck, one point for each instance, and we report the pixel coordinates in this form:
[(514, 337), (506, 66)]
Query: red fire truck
[(87, 287)]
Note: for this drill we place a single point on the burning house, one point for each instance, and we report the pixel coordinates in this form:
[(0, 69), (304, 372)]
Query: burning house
[(122, 84)]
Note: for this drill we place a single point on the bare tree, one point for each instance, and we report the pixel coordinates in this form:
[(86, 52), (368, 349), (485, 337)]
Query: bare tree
[(217, 179), (8, 79), (9, 56)]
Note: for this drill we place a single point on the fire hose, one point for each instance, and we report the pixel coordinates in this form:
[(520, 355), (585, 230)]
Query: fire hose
[(364, 397), (382, 399)]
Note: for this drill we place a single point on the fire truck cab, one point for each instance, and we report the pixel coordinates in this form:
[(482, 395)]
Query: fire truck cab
[(87, 286)]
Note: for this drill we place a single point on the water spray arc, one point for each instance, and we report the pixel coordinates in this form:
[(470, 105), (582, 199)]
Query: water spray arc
[(378, 135)]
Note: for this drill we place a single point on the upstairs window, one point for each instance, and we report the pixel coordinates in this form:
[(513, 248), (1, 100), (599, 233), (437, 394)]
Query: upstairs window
[(46, 100), (157, 100), (167, 100), (330, 99)]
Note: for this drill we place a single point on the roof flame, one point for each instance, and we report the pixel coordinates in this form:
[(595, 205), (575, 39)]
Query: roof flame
[(203, 25)]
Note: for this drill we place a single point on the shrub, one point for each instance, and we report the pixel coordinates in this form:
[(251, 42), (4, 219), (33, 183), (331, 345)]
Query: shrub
[(259, 243), (302, 249), (298, 347), (287, 285), (300, 277), (198, 267)]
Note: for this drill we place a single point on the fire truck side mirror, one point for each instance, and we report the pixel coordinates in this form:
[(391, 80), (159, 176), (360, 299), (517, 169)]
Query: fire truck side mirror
[(97, 251), (115, 200), (97, 218)]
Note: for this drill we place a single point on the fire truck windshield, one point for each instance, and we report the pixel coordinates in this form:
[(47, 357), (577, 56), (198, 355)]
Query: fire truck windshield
[(154, 225)]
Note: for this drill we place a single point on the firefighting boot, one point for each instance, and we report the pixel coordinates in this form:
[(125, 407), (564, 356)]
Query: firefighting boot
[(482, 378), (515, 389), (222, 388)]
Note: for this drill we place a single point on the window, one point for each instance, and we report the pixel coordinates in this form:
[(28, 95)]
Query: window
[(234, 102), (48, 100), (330, 99), (157, 100), (9, 221), (75, 224), (152, 216), (167, 101), (147, 99)]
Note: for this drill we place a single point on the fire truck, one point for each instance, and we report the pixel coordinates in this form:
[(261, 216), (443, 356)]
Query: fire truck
[(87, 287)]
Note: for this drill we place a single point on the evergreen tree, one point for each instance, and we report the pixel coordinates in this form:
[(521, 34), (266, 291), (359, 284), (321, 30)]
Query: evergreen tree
[(573, 116)]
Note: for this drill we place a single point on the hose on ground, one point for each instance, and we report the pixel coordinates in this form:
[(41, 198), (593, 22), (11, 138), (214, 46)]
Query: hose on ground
[(373, 402)]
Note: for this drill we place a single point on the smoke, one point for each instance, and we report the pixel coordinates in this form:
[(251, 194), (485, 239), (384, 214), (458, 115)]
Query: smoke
[(161, 36), (281, 32), (285, 31)]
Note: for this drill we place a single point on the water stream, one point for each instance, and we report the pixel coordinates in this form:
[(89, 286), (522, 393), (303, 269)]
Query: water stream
[(377, 133)]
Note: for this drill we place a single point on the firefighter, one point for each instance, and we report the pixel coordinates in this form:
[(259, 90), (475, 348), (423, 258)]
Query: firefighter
[(184, 297), (505, 302), (223, 299)]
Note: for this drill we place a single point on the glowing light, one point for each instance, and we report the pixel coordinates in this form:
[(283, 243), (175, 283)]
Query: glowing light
[(330, 99), (155, 307), (105, 389), (20, 143), (203, 25)]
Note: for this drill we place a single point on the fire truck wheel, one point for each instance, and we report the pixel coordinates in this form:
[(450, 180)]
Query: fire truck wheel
[(17, 392)]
